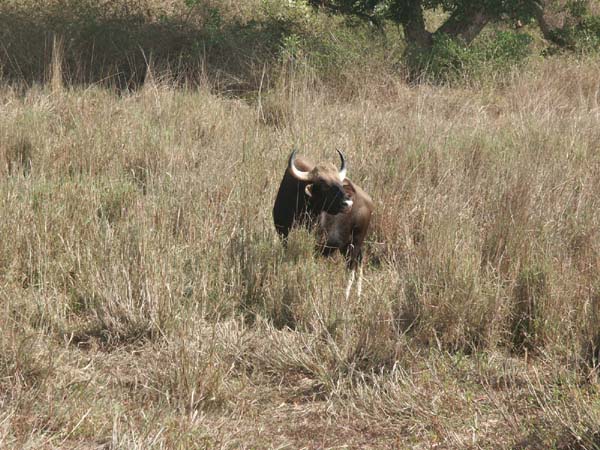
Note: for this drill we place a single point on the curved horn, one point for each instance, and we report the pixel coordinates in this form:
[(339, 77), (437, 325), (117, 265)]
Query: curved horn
[(302, 176), (342, 172)]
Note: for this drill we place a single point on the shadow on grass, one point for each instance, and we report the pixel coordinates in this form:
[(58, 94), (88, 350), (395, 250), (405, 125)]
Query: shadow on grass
[(114, 48)]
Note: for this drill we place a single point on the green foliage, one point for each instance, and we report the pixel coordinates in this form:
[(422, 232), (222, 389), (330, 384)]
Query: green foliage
[(446, 54), (585, 36), (450, 60), (325, 45), (580, 29), (402, 11), (243, 49), (291, 47)]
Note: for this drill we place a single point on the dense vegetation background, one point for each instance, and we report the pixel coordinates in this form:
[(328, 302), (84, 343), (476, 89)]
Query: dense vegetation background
[(146, 301)]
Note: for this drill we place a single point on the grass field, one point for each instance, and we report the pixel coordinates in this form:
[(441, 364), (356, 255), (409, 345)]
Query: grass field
[(146, 301)]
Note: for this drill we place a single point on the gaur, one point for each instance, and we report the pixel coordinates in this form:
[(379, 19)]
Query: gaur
[(320, 197)]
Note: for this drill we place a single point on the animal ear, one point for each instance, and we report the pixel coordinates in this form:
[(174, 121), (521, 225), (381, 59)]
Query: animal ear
[(308, 190), (348, 189)]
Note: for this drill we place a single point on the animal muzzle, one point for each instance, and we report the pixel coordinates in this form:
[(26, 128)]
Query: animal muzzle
[(347, 205)]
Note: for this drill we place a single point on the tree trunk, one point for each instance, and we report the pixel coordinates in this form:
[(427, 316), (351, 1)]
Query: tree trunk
[(465, 24), (550, 31), (410, 15)]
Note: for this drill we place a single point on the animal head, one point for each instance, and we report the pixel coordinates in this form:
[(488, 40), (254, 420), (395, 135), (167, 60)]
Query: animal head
[(325, 185)]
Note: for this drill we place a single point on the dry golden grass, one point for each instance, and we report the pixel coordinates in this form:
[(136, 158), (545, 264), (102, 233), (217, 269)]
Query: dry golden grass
[(147, 303)]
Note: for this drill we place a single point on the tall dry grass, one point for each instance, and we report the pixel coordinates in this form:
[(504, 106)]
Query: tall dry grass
[(147, 302)]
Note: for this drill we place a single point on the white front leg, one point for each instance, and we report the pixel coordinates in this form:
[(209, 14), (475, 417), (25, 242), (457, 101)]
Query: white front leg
[(350, 281), (360, 278)]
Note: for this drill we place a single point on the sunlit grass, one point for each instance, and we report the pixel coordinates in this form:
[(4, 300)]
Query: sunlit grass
[(147, 302)]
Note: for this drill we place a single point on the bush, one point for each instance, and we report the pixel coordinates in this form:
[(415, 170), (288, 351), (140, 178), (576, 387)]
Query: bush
[(580, 33), (586, 35), (450, 60), (113, 43)]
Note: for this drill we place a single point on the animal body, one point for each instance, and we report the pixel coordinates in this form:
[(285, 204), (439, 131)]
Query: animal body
[(320, 196)]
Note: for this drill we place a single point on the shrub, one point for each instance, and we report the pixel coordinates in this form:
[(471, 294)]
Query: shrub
[(586, 35), (451, 60)]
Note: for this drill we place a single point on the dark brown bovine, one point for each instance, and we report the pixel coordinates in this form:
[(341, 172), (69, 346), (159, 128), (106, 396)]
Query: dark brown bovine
[(321, 197)]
